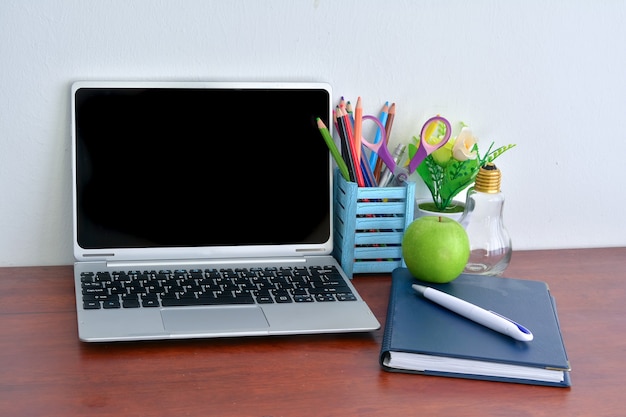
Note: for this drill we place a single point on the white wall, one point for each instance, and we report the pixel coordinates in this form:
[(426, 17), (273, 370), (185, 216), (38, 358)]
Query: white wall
[(547, 75)]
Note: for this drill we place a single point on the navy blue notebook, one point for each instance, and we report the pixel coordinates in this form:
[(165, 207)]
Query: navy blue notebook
[(423, 337)]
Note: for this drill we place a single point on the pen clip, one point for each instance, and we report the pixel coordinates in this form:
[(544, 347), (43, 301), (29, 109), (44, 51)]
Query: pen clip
[(524, 335)]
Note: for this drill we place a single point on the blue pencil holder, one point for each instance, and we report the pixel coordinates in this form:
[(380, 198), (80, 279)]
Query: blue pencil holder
[(369, 224)]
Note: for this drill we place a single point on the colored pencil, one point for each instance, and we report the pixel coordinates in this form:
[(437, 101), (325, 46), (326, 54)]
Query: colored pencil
[(348, 109), (368, 175), (358, 123), (345, 149), (343, 168), (351, 142), (391, 114)]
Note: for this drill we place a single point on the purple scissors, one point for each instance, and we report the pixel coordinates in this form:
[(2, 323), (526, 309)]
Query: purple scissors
[(423, 151)]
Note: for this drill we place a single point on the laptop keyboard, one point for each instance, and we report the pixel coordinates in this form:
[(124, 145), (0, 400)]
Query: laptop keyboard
[(172, 288)]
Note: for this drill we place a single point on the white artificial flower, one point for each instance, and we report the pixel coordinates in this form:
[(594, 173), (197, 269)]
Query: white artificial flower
[(464, 145)]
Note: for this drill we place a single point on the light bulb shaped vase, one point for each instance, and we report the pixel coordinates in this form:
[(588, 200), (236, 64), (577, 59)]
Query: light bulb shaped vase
[(490, 243)]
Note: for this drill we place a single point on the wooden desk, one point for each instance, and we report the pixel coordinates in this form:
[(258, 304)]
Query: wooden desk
[(45, 370)]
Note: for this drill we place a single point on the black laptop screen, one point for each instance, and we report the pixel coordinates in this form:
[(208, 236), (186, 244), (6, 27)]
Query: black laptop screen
[(177, 167)]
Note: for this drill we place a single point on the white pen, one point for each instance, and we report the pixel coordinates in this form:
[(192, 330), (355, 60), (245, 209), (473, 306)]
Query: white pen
[(487, 318)]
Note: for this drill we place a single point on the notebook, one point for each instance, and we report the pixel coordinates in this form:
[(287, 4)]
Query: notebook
[(425, 338), (174, 182)]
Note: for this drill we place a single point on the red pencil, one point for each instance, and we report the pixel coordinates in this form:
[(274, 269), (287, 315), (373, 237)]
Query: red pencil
[(358, 122), (349, 111), (357, 161), (345, 148)]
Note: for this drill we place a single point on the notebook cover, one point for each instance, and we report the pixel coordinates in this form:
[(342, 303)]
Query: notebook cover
[(417, 325)]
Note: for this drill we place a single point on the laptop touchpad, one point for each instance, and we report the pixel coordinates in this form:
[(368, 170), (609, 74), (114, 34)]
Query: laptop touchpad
[(214, 319)]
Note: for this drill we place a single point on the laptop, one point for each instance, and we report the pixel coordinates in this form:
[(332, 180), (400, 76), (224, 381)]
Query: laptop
[(203, 210)]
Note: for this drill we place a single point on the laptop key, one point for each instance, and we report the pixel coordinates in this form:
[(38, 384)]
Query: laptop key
[(94, 290), (130, 301), (283, 298), (329, 290), (176, 302), (225, 299), (263, 296), (324, 297), (91, 304), (112, 302), (86, 277), (264, 299), (150, 300), (345, 297)]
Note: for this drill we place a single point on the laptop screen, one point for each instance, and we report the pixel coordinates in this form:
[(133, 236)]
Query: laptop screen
[(180, 165)]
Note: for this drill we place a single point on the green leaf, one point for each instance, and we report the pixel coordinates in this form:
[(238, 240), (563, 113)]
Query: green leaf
[(431, 173), (458, 176), (446, 183), (490, 157)]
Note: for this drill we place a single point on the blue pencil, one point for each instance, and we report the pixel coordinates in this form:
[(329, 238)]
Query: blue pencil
[(368, 175)]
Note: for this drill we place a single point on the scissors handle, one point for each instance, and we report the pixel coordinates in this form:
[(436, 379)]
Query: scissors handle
[(383, 152), (426, 148)]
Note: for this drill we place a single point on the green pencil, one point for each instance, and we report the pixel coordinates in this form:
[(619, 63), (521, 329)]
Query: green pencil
[(343, 168)]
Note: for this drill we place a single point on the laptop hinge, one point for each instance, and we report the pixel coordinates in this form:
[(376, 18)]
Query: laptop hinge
[(204, 262)]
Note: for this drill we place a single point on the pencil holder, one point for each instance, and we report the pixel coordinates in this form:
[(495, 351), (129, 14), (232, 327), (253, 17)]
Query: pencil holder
[(369, 223)]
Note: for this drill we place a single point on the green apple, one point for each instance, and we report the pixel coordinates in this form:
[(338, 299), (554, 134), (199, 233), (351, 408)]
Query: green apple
[(435, 248)]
